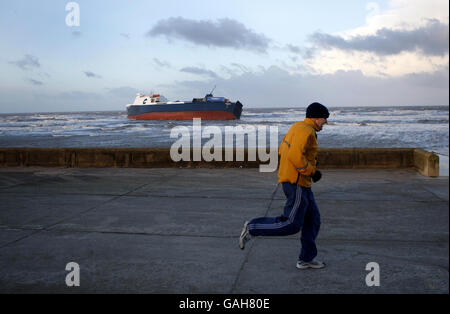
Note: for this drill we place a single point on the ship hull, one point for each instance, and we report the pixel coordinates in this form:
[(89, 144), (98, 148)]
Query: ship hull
[(186, 111)]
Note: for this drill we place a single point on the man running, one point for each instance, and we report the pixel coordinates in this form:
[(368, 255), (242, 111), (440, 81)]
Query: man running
[(298, 152)]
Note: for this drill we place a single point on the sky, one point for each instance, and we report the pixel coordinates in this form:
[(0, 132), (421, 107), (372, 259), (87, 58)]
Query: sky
[(95, 55)]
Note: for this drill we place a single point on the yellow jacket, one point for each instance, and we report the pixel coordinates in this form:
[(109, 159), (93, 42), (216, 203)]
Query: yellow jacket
[(298, 152)]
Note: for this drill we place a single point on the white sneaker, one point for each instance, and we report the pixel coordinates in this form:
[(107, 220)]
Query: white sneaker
[(313, 264), (245, 236)]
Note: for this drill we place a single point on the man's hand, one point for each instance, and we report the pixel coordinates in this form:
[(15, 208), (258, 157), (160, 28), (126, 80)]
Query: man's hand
[(316, 176)]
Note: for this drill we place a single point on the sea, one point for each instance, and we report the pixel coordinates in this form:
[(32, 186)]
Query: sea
[(424, 127)]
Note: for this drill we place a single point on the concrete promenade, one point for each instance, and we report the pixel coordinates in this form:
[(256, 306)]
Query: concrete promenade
[(176, 231)]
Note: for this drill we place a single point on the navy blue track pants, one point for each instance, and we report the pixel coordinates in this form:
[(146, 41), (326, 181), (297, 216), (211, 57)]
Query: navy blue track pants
[(300, 212)]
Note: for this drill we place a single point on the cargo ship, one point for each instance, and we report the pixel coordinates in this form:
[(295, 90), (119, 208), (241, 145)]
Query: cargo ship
[(157, 107)]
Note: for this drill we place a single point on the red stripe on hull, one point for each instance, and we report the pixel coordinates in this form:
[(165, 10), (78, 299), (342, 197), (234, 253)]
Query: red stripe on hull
[(185, 115)]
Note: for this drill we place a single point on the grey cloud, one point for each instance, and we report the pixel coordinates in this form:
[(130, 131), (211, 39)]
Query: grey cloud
[(43, 74), (241, 67), (293, 48), (199, 71), (127, 36), (304, 52), (438, 79), (234, 69), (343, 88), (91, 74), (227, 70), (27, 62), (431, 39), (160, 63), (264, 87), (223, 33), (308, 52), (34, 82)]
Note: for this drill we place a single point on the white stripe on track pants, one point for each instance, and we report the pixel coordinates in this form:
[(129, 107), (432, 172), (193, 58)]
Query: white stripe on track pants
[(300, 213)]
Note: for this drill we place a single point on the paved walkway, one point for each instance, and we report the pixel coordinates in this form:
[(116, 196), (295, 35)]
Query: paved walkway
[(176, 231)]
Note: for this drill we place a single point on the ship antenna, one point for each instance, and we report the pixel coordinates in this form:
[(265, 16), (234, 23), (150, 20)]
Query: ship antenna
[(213, 89)]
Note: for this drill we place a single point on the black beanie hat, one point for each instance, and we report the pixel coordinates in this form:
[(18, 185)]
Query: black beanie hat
[(316, 110)]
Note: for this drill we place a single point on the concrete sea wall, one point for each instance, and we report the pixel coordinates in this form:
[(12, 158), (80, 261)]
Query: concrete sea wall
[(426, 163)]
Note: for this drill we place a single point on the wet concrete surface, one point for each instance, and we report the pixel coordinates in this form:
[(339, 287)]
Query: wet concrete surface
[(176, 231)]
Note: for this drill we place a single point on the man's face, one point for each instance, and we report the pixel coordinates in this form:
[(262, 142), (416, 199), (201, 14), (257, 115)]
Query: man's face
[(320, 122)]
